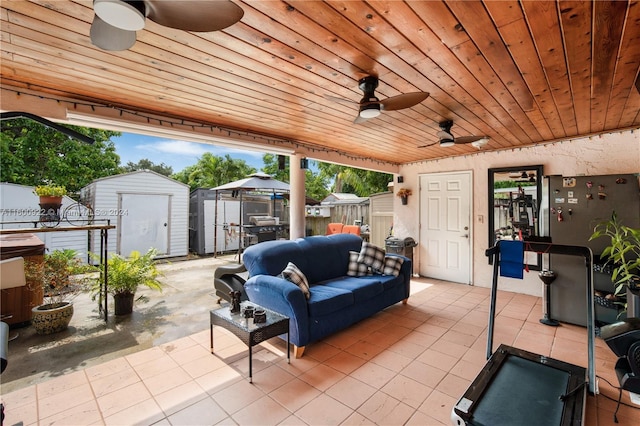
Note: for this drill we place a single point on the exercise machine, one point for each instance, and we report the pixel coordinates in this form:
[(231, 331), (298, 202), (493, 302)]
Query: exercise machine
[(517, 386)]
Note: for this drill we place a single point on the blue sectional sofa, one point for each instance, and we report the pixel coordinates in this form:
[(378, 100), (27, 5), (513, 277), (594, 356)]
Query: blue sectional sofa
[(336, 300)]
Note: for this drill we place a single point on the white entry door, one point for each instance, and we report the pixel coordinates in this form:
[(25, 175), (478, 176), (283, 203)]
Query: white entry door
[(445, 226), (145, 224)]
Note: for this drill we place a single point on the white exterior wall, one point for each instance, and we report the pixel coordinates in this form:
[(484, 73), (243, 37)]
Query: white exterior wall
[(598, 155), (104, 195), (18, 203)]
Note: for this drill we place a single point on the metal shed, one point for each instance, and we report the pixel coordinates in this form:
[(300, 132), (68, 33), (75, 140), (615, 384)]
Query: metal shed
[(148, 209), (203, 221)]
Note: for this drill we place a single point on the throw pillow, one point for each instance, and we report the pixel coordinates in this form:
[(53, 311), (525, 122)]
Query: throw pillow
[(294, 274), (357, 269), (392, 265), (372, 255)]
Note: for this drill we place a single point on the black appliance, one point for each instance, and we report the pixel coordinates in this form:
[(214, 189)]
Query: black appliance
[(576, 205)]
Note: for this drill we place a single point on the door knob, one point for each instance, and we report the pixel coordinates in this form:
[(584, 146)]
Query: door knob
[(465, 235)]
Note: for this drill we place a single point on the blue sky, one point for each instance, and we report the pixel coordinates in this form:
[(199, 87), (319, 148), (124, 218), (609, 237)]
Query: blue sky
[(175, 153)]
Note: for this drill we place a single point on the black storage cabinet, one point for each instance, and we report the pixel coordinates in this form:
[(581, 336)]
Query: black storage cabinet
[(403, 246)]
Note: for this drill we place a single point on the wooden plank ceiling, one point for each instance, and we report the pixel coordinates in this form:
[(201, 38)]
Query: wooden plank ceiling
[(521, 72)]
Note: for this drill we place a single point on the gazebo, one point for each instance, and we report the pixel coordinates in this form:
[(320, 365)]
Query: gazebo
[(256, 182)]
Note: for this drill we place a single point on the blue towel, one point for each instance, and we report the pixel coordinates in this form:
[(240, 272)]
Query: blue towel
[(511, 259)]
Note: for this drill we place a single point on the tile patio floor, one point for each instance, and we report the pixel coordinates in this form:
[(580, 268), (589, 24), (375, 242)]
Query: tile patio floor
[(406, 365)]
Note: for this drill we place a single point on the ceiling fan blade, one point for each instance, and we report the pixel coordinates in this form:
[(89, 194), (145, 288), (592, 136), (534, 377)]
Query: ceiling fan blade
[(406, 100), (341, 100), (428, 145), (468, 139), (196, 16), (108, 37)]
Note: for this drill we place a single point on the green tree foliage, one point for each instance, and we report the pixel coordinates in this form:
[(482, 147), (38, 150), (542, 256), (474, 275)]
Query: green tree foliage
[(361, 182), (145, 164), (31, 154), (211, 171)]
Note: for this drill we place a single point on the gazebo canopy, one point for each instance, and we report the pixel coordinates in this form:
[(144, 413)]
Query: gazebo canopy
[(255, 182)]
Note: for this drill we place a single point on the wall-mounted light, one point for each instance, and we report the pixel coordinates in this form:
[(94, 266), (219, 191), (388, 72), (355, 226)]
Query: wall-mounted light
[(304, 163), (400, 179)]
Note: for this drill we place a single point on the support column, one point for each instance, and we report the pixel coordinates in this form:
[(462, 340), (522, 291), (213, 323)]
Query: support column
[(297, 197)]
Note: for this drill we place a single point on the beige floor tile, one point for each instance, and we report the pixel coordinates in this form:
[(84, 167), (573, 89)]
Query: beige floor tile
[(83, 414), (219, 379), (294, 394), (373, 374), (345, 362), (119, 379), (423, 373), (351, 392), (144, 413), (122, 399), (51, 404), (237, 396), (180, 397), (171, 379), (438, 359), (438, 405), (271, 378), (264, 411), (407, 390), (324, 410), (201, 366), (205, 411), (391, 360), (383, 409), (453, 385), (321, 377)]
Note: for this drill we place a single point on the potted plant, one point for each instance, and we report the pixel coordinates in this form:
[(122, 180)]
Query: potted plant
[(50, 193), (404, 193), (623, 254), (125, 275), (50, 201), (62, 277)]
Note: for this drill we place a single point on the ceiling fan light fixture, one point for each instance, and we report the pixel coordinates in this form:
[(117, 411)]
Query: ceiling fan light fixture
[(445, 143), (369, 111), (124, 14)]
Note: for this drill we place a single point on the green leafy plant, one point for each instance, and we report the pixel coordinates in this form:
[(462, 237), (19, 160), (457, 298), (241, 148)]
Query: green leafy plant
[(126, 274), (62, 275), (50, 190), (623, 252)]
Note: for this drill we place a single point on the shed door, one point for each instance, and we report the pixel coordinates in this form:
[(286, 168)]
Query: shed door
[(143, 223), (445, 226)]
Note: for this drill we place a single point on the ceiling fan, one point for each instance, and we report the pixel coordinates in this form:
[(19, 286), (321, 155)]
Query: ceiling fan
[(116, 21), (446, 139), (370, 106)]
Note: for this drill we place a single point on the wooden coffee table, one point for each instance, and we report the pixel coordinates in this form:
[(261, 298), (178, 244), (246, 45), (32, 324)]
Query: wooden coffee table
[(249, 332)]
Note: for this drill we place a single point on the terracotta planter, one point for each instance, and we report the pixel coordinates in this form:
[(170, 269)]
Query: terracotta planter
[(50, 208), (123, 303), (51, 318)]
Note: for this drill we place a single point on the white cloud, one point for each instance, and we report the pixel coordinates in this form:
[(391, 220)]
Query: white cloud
[(190, 149)]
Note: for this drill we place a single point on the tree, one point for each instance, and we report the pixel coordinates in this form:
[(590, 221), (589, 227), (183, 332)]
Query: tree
[(211, 171), (32, 154), (357, 181), (146, 164)]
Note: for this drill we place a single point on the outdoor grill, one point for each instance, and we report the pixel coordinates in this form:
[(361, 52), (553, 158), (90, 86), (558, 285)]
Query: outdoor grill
[(264, 228)]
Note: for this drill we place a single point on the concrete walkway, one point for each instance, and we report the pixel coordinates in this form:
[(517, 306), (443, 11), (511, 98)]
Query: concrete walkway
[(180, 310)]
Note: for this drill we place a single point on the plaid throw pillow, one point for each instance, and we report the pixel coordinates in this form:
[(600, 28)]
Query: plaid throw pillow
[(372, 255), (357, 269), (392, 265), (295, 275)]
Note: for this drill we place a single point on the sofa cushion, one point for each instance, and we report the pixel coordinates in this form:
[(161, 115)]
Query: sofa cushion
[(392, 265), (326, 300), (372, 255), (357, 269), (295, 275), (363, 288), (327, 256)]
